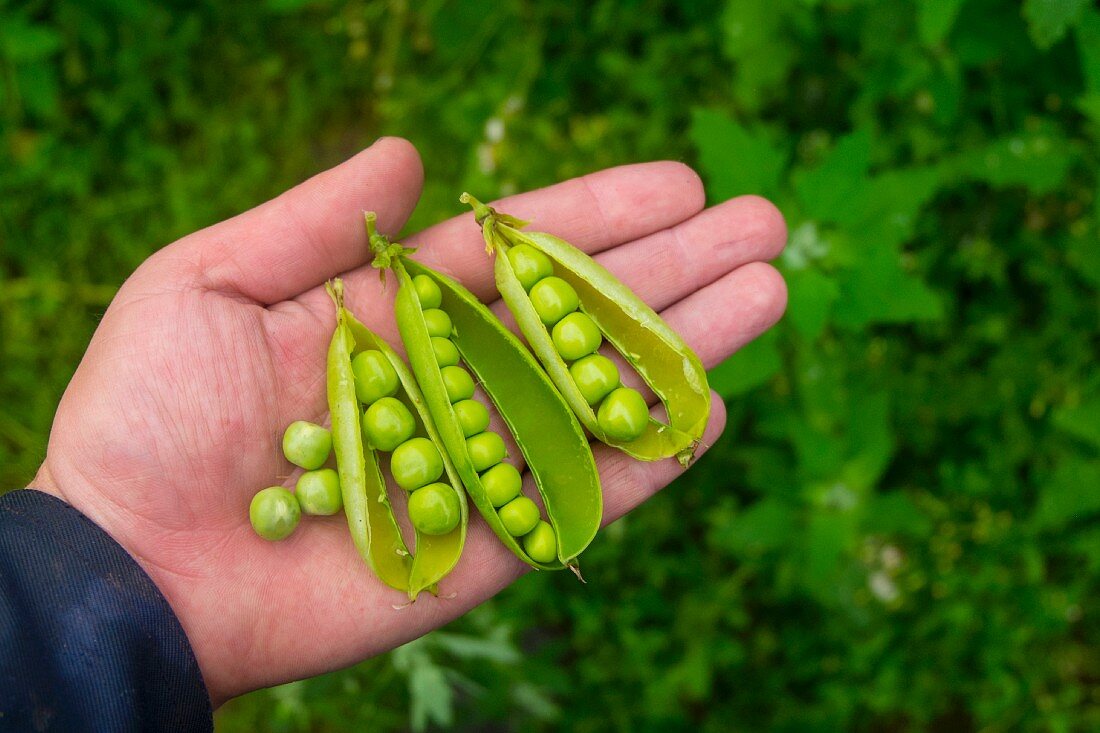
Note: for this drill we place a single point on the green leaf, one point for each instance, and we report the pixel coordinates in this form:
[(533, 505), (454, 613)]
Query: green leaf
[(1082, 421), (734, 160), (810, 301), (20, 41), (1048, 20), (1072, 492), (750, 367), (876, 290), (769, 524), (935, 18), (495, 648), (431, 697), (1038, 160), (1088, 47), (837, 189), (894, 513)]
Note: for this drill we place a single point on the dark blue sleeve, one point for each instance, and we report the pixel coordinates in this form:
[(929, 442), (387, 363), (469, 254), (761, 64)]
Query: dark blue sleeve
[(87, 641)]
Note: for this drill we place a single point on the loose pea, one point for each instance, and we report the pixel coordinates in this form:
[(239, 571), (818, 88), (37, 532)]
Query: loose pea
[(529, 264), (427, 292), (540, 543), (416, 463), (553, 299), (374, 376), (623, 415), (446, 353), (318, 492), (434, 509), (519, 516), (459, 384), (387, 424), (439, 323), (472, 416), (306, 444), (274, 513), (502, 483), (486, 449), (595, 376), (576, 335)]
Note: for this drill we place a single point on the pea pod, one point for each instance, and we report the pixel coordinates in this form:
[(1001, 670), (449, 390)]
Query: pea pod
[(646, 342), (551, 440), (370, 516)]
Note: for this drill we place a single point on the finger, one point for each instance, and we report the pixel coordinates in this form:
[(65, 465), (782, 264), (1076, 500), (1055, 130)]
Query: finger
[(310, 233), (593, 212), (675, 262)]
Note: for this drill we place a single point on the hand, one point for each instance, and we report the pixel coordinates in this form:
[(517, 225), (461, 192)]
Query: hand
[(173, 419)]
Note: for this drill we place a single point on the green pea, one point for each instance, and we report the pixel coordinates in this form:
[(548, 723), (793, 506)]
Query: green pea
[(416, 463), (472, 416), (374, 376), (318, 492), (427, 292), (434, 509), (502, 483), (576, 335), (486, 449), (274, 513), (529, 264), (458, 383), (446, 353), (387, 424), (553, 299), (438, 322), (540, 543), (306, 444), (595, 376), (519, 516), (623, 415)]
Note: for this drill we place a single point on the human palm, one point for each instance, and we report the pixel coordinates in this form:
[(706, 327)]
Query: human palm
[(218, 341)]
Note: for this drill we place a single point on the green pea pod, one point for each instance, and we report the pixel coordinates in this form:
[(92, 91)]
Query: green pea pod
[(646, 342), (370, 516), (551, 440)]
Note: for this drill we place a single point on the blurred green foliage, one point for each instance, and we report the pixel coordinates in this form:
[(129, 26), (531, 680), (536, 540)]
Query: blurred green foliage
[(898, 530)]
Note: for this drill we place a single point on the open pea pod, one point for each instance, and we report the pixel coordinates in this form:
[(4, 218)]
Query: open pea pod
[(661, 358), (370, 516), (553, 443)]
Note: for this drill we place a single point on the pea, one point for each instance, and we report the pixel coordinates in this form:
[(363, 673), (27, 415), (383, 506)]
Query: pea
[(427, 292), (472, 416), (553, 299), (306, 444), (434, 509), (486, 450), (416, 463), (576, 335), (438, 322), (458, 383), (318, 492), (446, 353), (502, 483), (529, 264), (387, 424), (374, 376), (595, 376), (540, 543), (519, 516), (274, 513), (623, 415)]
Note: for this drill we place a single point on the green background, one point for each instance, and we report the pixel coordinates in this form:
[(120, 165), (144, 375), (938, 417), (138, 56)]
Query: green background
[(898, 530)]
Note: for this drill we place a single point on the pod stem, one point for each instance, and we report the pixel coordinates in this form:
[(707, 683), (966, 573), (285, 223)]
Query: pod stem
[(481, 211), (386, 253)]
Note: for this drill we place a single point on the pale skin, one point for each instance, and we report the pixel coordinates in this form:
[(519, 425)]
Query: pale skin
[(173, 419)]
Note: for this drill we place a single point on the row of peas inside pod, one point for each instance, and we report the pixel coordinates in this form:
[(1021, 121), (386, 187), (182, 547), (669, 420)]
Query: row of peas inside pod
[(424, 424)]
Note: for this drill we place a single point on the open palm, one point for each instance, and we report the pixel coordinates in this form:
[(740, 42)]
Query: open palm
[(218, 341)]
